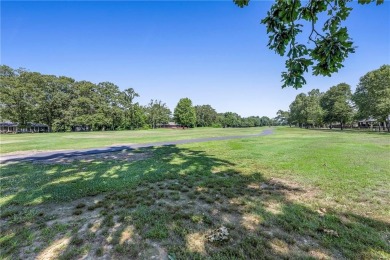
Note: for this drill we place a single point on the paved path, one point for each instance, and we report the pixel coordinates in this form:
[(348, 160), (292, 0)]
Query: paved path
[(72, 153)]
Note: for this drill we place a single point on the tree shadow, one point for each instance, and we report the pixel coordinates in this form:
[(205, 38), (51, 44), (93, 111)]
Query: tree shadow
[(171, 203)]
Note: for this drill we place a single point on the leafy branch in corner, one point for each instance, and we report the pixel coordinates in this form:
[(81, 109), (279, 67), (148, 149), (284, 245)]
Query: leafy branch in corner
[(326, 48)]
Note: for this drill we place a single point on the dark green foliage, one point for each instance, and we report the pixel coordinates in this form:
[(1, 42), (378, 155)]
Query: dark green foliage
[(205, 115), (157, 113), (230, 119), (65, 104), (305, 110), (372, 95), (184, 113), (326, 47), (336, 104)]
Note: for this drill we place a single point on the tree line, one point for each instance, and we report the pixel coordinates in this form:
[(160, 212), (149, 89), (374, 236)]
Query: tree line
[(339, 105), (65, 104)]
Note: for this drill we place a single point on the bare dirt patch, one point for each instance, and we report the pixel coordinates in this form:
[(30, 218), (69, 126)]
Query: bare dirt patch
[(165, 219)]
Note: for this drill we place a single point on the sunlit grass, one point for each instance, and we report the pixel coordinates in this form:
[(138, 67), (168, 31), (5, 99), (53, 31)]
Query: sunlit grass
[(297, 193), (58, 141)]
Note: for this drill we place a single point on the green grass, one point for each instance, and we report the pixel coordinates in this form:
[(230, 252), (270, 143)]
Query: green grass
[(59, 141), (294, 194)]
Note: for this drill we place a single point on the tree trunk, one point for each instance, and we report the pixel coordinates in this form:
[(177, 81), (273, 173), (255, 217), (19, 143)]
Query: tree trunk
[(341, 126)]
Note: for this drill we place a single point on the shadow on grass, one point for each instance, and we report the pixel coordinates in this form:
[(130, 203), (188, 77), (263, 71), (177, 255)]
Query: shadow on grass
[(169, 205)]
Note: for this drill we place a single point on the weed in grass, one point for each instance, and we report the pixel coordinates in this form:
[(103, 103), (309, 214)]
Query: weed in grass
[(104, 212), (203, 197), (184, 189), (159, 194), (209, 199), (73, 251), (108, 221), (104, 232), (99, 252), (24, 216), (77, 241), (77, 212), (158, 231), (128, 249), (8, 213), (80, 205), (197, 218), (90, 235), (175, 195), (191, 195)]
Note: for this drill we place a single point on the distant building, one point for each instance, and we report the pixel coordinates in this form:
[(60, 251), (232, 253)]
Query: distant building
[(8, 127), (13, 128), (81, 128), (170, 125), (366, 123)]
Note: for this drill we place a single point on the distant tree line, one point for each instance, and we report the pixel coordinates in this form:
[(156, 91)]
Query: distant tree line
[(340, 106), (65, 104)]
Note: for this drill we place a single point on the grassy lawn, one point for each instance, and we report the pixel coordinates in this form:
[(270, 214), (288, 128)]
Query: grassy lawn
[(298, 193), (70, 140)]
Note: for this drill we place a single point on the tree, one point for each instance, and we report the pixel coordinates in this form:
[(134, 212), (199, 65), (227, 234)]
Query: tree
[(184, 113), (127, 98), (157, 113), (265, 121), (205, 115), (313, 108), (84, 106), (336, 103), (283, 117), (372, 95), (16, 96), (328, 45), (52, 99), (298, 112), (231, 119)]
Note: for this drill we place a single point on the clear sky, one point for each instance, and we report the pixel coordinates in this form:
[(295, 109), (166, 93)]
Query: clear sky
[(210, 51)]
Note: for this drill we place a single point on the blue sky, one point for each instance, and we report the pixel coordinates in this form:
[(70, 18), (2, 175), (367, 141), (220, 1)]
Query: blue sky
[(210, 51)]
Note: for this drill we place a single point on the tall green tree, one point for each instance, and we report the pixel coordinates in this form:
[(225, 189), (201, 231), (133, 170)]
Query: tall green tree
[(336, 103), (157, 113), (298, 112), (52, 99), (205, 115), (328, 43), (231, 119), (84, 106), (282, 117), (265, 121), (17, 96), (184, 113), (130, 111), (314, 111), (372, 95)]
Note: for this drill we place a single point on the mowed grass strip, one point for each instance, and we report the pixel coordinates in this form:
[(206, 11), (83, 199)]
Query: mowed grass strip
[(13, 143), (297, 193)]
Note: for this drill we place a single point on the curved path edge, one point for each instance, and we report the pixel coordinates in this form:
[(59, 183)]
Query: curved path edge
[(72, 153)]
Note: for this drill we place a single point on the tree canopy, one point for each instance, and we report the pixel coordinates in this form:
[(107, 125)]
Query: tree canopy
[(369, 105), (336, 104), (372, 95), (325, 48), (184, 113)]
